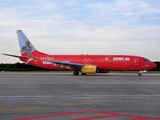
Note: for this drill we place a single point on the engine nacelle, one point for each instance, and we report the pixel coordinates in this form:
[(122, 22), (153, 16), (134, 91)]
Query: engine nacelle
[(89, 69)]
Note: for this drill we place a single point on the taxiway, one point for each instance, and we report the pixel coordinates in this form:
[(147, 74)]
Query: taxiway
[(62, 96)]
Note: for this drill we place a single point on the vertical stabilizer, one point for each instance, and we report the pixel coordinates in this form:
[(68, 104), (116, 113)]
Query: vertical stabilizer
[(25, 45), (24, 41)]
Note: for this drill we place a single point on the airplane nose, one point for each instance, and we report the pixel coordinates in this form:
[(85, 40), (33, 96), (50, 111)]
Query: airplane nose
[(154, 65)]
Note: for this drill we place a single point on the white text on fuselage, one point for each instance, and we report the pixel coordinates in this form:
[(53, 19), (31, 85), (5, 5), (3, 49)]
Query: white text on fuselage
[(121, 59), (47, 63)]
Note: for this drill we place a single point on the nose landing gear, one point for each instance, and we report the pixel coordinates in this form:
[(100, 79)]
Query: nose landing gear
[(140, 73)]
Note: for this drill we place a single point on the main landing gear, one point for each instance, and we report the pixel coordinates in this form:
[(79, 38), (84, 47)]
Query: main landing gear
[(140, 73), (77, 73)]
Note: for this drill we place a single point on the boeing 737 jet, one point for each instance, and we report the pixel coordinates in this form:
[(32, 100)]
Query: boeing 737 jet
[(86, 64)]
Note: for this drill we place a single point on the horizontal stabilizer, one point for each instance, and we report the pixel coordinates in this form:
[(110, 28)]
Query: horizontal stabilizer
[(15, 56)]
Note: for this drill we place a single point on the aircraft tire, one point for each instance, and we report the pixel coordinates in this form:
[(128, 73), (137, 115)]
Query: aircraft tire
[(75, 73), (139, 74)]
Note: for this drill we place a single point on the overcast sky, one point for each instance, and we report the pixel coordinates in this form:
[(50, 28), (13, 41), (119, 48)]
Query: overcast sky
[(129, 27)]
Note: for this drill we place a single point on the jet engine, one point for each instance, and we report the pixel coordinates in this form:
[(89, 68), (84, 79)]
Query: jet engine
[(89, 69)]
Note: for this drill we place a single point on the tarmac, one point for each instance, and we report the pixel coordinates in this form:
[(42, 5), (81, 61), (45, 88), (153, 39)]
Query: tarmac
[(62, 96)]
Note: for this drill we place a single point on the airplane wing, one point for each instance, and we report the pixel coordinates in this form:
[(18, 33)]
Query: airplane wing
[(73, 65), (65, 63)]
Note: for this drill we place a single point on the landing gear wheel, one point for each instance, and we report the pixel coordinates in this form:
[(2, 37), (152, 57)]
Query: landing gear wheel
[(83, 73), (75, 73), (139, 74)]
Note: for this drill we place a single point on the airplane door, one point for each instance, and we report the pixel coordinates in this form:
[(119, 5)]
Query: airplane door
[(135, 61)]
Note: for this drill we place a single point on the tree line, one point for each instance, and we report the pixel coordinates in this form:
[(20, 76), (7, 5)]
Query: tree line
[(24, 67), (158, 66), (19, 67)]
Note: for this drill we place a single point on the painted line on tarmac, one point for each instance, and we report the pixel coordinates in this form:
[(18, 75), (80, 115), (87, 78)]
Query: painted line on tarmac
[(92, 115), (75, 104), (81, 96), (21, 109)]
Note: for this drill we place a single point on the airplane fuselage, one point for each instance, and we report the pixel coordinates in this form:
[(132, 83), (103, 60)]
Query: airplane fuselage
[(104, 63)]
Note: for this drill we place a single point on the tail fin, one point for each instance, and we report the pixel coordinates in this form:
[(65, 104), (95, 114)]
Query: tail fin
[(28, 51), (25, 45)]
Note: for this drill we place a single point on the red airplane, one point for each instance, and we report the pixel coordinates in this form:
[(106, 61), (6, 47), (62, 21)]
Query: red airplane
[(86, 64)]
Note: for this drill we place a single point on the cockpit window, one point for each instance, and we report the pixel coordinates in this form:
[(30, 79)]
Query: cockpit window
[(146, 60)]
